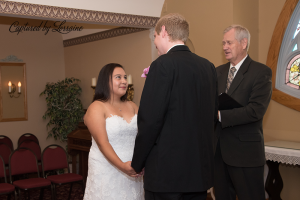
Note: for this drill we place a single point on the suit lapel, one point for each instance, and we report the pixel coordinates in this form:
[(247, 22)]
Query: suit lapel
[(240, 75), (222, 79)]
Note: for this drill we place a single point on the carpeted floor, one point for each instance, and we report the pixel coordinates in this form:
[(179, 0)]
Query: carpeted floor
[(62, 193)]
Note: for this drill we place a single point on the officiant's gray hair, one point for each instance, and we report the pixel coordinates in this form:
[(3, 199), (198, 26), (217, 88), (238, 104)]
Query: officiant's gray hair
[(240, 33)]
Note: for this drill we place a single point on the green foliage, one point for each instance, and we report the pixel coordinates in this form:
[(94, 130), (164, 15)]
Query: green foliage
[(64, 108)]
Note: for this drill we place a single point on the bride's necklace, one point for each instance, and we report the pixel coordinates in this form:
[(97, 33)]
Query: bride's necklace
[(118, 107)]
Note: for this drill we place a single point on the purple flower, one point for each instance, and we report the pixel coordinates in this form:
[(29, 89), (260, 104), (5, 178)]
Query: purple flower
[(145, 72)]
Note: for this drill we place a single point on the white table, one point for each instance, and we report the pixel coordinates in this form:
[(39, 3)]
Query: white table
[(279, 152)]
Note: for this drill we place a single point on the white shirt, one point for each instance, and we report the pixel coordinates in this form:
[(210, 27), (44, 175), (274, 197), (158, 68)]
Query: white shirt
[(237, 67), (174, 46)]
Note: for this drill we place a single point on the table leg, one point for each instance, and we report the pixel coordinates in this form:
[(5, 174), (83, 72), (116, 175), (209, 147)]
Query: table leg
[(274, 183), (83, 164), (74, 163)]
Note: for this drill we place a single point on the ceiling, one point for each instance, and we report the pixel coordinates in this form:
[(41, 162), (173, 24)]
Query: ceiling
[(134, 7)]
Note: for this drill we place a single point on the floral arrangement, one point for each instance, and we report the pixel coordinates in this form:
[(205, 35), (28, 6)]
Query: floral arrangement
[(145, 72)]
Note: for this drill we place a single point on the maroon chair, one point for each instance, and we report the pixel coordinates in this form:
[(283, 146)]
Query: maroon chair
[(54, 157), (5, 188), (5, 152), (24, 161), (35, 147), (32, 145), (27, 136), (6, 140)]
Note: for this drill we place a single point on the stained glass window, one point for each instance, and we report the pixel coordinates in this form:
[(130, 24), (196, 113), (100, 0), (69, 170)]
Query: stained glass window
[(288, 65), (297, 30), (295, 47), (292, 77)]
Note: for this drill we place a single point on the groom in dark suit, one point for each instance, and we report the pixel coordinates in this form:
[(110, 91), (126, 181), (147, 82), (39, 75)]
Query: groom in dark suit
[(239, 142), (176, 118)]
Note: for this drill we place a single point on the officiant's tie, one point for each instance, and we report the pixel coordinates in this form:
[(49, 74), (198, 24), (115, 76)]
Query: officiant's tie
[(230, 78)]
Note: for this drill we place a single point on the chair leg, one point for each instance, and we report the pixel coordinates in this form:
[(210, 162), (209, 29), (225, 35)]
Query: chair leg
[(41, 193), (70, 191), (83, 187), (20, 194), (28, 194), (16, 195), (54, 191), (9, 196)]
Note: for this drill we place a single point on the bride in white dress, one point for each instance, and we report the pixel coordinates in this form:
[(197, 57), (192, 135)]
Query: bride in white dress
[(112, 122)]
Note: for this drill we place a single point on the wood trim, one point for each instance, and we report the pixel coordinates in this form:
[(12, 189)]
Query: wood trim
[(102, 35), (273, 54)]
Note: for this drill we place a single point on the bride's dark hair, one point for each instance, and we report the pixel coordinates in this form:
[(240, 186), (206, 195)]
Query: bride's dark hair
[(102, 91)]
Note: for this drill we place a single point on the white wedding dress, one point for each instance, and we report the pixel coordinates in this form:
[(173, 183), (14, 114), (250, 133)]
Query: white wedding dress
[(105, 181)]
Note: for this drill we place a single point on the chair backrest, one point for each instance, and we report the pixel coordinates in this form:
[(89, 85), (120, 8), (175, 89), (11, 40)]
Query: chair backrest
[(5, 152), (32, 145), (27, 136), (2, 169), (54, 157), (22, 161), (7, 140)]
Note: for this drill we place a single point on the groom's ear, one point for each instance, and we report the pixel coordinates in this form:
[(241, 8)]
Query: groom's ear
[(163, 31)]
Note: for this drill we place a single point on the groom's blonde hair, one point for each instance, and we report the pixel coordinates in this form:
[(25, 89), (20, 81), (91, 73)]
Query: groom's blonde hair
[(176, 26)]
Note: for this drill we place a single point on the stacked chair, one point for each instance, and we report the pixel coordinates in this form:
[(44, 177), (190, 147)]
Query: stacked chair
[(6, 140), (27, 136), (24, 161), (5, 152), (5, 188), (35, 147), (28, 161)]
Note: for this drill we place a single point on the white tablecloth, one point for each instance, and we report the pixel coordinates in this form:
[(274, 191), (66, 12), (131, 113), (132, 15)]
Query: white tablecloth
[(283, 155)]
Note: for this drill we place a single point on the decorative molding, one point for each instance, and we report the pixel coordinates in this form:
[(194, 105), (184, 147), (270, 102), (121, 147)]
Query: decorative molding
[(273, 54), (79, 15), (101, 35), (154, 54), (11, 58)]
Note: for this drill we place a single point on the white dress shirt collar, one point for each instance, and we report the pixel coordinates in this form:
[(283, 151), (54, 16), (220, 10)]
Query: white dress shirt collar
[(174, 46), (237, 66)]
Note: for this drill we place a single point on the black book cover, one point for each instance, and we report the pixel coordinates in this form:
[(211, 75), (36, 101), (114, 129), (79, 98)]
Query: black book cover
[(226, 102)]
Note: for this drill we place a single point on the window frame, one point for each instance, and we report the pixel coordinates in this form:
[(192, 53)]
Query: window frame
[(274, 51)]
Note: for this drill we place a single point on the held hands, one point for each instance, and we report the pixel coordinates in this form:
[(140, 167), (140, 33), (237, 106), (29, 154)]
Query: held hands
[(127, 169)]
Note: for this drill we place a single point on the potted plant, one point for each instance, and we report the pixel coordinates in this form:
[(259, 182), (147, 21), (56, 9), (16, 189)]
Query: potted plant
[(64, 108)]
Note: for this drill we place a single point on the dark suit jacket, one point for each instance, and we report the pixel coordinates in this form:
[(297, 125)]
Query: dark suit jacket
[(176, 123), (240, 132)]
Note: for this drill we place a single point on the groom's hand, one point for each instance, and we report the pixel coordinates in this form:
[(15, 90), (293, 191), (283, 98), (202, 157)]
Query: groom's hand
[(141, 173), (129, 170)]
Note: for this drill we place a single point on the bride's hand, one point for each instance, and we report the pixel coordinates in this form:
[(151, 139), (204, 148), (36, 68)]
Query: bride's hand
[(128, 169)]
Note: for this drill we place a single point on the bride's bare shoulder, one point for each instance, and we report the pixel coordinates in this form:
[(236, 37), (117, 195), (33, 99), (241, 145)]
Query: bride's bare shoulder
[(97, 108), (134, 106)]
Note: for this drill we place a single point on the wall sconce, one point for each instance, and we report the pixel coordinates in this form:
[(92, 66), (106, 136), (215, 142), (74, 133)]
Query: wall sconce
[(94, 82), (12, 89), (130, 90)]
